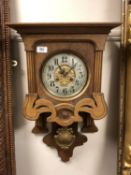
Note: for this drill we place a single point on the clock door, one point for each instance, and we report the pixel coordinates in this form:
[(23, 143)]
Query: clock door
[(65, 70)]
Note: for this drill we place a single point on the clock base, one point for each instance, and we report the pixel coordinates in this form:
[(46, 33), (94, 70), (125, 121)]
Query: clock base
[(64, 130), (65, 154)]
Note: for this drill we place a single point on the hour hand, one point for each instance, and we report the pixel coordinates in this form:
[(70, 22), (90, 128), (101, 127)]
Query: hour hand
[(61, 70)]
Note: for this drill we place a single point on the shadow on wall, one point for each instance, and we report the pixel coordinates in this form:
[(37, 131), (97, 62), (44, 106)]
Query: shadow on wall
[(111, 133), (18, 85)]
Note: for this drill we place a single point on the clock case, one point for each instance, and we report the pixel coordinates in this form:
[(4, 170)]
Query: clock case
[(64, 119)]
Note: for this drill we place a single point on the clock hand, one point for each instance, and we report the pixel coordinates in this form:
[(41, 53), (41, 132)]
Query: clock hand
[(61, 70), (66, 73)]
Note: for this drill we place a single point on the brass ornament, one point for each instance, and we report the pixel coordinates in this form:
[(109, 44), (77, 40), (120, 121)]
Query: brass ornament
[(64, 137), (65, 77)]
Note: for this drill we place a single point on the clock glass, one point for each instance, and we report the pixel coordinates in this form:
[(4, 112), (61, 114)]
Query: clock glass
[(64, 75)]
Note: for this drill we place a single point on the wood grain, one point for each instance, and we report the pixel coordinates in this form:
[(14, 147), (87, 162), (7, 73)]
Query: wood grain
[(85, 40), (7, 160)]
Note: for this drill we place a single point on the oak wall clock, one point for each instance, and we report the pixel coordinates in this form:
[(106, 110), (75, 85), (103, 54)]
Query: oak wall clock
[(64, 65)]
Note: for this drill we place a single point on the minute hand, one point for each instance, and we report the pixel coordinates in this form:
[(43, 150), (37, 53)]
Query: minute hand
[(66, 73)]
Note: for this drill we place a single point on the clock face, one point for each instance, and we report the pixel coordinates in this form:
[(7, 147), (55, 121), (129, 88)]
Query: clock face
[(64, 75)]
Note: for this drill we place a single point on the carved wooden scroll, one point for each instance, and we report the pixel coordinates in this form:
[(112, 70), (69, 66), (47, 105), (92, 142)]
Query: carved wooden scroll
[(7, 160), (95, 106), (35, 106)]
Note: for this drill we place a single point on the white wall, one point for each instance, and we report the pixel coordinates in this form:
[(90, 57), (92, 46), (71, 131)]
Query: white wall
[(99, 155), (69, 10)]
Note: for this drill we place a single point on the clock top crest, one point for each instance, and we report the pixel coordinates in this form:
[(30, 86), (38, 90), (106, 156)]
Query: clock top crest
[(64, 65)]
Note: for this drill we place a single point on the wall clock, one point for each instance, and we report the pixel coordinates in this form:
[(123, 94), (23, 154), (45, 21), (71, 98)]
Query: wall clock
[(64, 64)]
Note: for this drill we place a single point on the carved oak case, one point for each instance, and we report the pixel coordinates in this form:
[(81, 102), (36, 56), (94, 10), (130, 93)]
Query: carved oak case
[(64, 64)]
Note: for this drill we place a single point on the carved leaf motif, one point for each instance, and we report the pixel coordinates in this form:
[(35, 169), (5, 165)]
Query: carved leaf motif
[(64, 122), (96, 106), (33, 107)]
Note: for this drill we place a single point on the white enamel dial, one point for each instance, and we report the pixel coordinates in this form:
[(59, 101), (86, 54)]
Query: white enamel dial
[(64, 75)]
